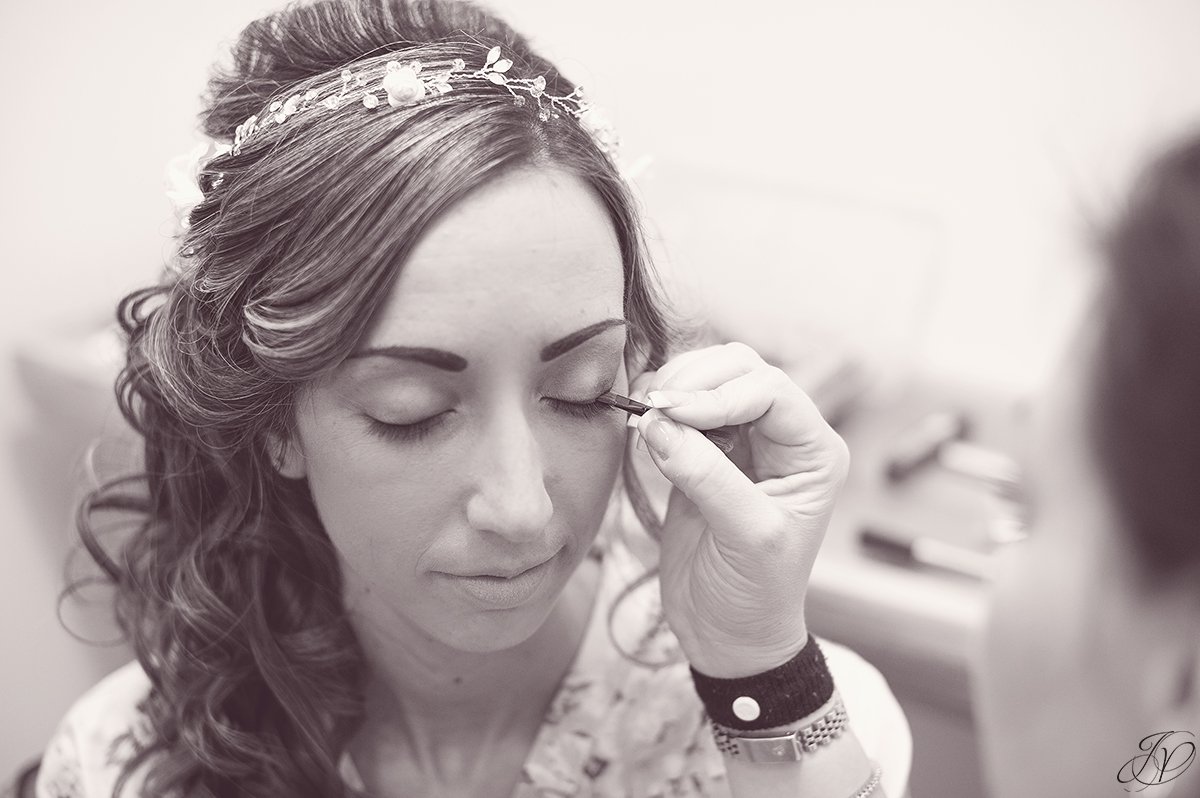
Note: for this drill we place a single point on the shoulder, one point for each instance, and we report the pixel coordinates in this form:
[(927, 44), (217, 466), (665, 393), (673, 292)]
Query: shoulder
[(98, 733)]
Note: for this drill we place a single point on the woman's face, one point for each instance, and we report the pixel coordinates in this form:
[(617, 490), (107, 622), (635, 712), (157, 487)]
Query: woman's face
[(1076, 665), (488, 454)]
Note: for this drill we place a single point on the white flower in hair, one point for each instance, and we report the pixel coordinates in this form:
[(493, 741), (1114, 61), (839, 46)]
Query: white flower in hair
[(182, 189), (182, 177), (402, 84), (598, 125)]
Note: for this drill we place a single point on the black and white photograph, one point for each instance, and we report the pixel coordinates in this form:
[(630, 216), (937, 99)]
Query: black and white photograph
[(534, 399)]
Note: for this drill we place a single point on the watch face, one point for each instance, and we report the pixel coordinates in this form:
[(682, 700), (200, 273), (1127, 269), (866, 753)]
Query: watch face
[(784, 747), (770, 749)]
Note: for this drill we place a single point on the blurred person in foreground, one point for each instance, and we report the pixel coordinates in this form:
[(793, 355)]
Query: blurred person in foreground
[(1089, 678)]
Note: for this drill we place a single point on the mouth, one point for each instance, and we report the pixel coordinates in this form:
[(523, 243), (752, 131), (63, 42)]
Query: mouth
[(505, 592), (510, 571)]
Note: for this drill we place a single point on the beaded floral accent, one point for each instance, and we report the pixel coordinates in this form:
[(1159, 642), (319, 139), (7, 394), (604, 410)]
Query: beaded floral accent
[(182, 178), (404, 83)]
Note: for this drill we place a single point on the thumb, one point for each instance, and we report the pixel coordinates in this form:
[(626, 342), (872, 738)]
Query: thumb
[(725, 496)]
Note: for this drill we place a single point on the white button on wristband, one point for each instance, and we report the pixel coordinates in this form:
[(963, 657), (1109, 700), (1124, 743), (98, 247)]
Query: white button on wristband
[(772, 698), (746, 708)]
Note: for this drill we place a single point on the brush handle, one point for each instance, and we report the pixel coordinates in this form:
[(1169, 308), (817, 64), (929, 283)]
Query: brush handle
[(722, 437)]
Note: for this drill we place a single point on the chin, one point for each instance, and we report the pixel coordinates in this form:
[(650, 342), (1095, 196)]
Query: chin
[(495, 630), (477, 628)]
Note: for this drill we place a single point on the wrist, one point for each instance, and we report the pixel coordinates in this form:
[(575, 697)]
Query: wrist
[(835, 700), (730, 663), (768, 698)]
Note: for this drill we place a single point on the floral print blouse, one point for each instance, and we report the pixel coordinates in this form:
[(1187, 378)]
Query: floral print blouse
[(614, 728)]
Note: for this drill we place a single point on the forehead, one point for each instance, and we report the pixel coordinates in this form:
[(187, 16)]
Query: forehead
[(531, 254)]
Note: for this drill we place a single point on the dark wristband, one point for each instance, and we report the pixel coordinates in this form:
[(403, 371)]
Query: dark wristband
[(782, 695)]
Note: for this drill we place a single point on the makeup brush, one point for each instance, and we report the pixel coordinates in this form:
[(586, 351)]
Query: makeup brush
[(722, 437)]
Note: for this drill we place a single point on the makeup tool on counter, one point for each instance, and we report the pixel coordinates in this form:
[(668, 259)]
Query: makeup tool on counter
[(940, 438), (923, 551), (722, 437)]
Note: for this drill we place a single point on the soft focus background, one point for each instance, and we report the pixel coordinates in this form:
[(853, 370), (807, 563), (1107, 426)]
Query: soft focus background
[(913, 182)]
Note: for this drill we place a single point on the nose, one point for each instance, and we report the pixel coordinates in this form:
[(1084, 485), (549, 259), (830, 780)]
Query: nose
[(510, 497)]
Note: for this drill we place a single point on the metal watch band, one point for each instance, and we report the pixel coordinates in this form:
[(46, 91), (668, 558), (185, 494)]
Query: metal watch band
[(786, 747)]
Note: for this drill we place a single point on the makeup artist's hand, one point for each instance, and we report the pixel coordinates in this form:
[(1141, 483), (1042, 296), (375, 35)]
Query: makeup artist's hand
[(742, 530)]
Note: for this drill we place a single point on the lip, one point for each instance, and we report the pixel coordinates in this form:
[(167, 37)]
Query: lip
[(508, 572), (504, 592)]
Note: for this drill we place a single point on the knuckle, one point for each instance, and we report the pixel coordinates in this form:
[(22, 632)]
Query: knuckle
[(730, 395), (778, 539), (840, 457), (741, 349), (776, 376)]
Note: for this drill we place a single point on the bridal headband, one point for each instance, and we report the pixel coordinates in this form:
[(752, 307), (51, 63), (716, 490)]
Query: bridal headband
[(394, 84), (403, 83)]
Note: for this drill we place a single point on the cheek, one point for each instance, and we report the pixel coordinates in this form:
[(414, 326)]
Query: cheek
[(376, 503), (1041, 607), (369, 492), (1049, 676), (1018, 657), (586, 455), (1008, 633), (582, 465), (372, 493)]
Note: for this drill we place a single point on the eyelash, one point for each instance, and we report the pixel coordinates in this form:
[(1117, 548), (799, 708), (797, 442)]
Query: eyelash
[(415, 432)]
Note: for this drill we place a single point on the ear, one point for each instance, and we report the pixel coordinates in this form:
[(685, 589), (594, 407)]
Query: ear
[(286, 455)]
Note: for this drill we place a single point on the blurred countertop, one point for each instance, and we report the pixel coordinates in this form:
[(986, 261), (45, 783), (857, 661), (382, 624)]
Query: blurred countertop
[(917, 624)]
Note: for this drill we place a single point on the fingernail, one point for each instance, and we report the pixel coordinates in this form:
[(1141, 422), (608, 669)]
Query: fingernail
[(662, 399), (662, 435), (641, 443), (632, 421)]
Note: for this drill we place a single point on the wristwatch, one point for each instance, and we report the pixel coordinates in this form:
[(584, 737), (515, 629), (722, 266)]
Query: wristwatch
[(781, 747)]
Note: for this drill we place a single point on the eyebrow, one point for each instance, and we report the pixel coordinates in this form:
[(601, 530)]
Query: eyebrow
[(448, 361)]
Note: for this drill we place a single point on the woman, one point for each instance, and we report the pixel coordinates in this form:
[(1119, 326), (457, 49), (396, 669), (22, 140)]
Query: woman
[(1090, 666), (368, 557)]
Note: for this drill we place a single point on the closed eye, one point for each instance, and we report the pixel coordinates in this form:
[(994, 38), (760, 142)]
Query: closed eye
[(407, 432), (421, 429), (580, 409)]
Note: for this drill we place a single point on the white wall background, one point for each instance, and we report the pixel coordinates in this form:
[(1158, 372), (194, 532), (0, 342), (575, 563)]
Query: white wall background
[(996, 121)]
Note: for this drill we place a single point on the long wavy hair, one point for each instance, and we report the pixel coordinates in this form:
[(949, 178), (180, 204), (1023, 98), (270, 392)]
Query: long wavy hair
[(226, 584)]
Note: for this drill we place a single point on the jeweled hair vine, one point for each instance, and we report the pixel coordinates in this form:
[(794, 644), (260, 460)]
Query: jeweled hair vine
[(401, 83)]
